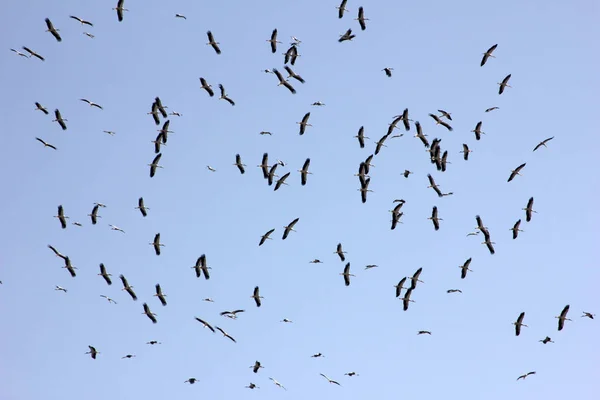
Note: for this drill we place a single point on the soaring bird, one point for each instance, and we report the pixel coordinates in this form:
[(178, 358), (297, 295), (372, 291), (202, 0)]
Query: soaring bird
[(546, 340), (400, 286), (32, 53), (256, 367), (563, 317), (415, 278), (239, 164), (264, 237), (424, 333), (191, 381), (273, 41), (434, 218), (346, 36), (406, 299), (281, 181), (108, 299), (330, 380), (160, 295), (82, 21), (40, 107), (155, 165), (341, 8), (340, 252), (438, 121), (180, 16), (453, 291), (61, 217), (515, 229), (519, 323), (45, 144), (104, 274), (588, 315), (206, 87), (529, 210), (92, 104), (143, 209), (526, 375), (69, 267), (256, 296), (288, 228), (283, 81), (515, 172), (491, 109), (157, 244), (488, 54), (388, 71), (361, 137), (201, 267), (361, 18), (60, 288), (205, 324), (93, 352), (478, 132), (347, 274), (224, 95), (464, 268), (304, 123), (292, 74), (277, 383), (94, 215), (127, 287), (53, 30), (304, 171), (119, 8), (504, 84), (60, 120), (17, 52), (149, 313), (225, 334), (211, 41), (543, 143)]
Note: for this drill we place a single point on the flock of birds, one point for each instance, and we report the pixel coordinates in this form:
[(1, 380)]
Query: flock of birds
[(436, 155)]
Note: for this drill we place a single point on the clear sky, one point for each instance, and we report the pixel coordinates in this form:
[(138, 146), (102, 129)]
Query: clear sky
[(435, 48)]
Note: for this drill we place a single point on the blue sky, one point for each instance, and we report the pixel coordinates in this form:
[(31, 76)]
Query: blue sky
[(435, 49)]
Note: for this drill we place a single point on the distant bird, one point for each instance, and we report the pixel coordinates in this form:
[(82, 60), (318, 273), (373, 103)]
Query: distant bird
[(504, 84), (209, 300), (283, 81), (265, 133), (77, 223), (211, 41), (256, 296), (281, 181), (191, 381), (89, 35), (239, 164), (231, 314), (488, 54), (264, 237), (128, 356), (19, 53), (438, 121), (160, 295), (154, 113), (69, 267), (370, 266), (315, 261), (143, 209), (149, 313), (529, 210), (127, 287), (434, 218), (120, 10), (155, 165), (32, 53), (273, 41), (361, 137), (406, 173), (519, 323), (61, 217), (225, 334), (206, 87), (93, 352), (115, 228), (108, 299), (304, 171), (180, 16), (224, 95), (60, 120), (478, 131), (515, 229), (82, 21), (287, 320), (176, 114), (406, 299), (211, 169), (453, 291), (546, 340), (351, 374), (342, 8), (252, 386), (60, 288), (153, 342), (43, 109), (464, 268), (205, 324), (111, 133), (563, 317), (256, 367), (543, 143), (588, 315), (415, 278), (304, 123), (526, 375), (330, 380), (466, 152), (361, 18), (277, 383), (388, 71), (292, 74), (157, 244), (400, 286), (45, 144), (445, 114), (424, 333), (492, 109), (515, 172), (94, 215), (289, 228), (347, 274), (340, 252), (53, 30), (104, 274), (318, 104), (346, 36)]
